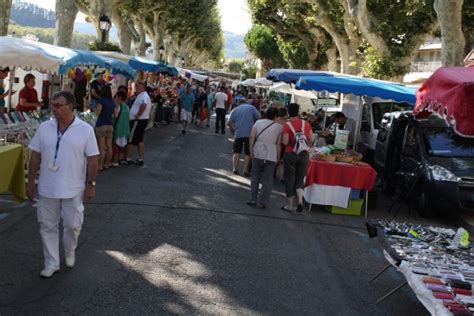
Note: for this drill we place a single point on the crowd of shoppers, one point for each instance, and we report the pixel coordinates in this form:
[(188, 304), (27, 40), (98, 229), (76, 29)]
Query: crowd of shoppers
[(268, 142), (271, 144)]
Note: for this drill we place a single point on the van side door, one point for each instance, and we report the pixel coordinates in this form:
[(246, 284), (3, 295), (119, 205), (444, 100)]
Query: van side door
[(381, 143), (410, 153)]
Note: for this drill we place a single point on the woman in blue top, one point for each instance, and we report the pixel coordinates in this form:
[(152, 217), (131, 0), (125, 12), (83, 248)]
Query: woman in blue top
[(106, 110)]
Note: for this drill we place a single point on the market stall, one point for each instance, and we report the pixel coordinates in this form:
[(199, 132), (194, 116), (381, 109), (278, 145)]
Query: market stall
[(293, 75), (12, 171), (338, 184), (449, 93), (258, 82), (17, 128), (192, 75), (118, 67), (17, 52), (436, 262), (318, 192), (140, 63)]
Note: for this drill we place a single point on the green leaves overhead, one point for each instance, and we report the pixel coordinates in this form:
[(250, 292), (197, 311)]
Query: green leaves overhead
[(378, 38), (261, 41), (187, 28)]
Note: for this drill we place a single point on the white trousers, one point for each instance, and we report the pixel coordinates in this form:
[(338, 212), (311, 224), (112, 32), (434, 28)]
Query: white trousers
[(50, 211)]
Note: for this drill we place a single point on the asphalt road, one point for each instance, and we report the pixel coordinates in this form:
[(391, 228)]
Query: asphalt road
[(176, 237)]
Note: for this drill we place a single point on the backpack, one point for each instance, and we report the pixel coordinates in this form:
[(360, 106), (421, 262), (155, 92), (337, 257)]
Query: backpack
[(301, 142)]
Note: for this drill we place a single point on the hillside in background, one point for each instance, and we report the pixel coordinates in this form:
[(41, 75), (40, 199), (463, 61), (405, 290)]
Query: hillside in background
[(234, 46), (29, 14), (46, 35)]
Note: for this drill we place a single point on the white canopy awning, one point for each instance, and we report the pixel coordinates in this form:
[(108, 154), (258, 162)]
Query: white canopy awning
[(259, 82), (26, 54), (190, 74), (115, 55), (286, 88)]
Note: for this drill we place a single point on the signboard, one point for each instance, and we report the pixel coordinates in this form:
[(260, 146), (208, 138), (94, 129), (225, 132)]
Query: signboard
[(342, 138), (327, 102)]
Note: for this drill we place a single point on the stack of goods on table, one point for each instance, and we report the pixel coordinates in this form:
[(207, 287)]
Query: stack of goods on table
[(440, 259), (33, 117), (19, 127), (331, 154), (88, 117)]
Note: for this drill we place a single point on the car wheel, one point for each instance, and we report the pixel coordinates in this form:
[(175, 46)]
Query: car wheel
[(424, 207)]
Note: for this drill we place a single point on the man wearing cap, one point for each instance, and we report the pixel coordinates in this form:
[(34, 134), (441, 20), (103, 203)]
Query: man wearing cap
[(64, 151), (95, 87)]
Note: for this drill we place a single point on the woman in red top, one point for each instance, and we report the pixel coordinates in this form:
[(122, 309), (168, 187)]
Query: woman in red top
[(28, 97), (295, 164)]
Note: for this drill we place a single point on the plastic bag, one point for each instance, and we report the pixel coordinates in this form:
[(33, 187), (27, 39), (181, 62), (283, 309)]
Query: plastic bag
[(202, 114)]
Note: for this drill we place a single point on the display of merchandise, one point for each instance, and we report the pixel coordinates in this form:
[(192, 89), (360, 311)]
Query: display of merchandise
[(441, 258), (88, 117), (20, 127)]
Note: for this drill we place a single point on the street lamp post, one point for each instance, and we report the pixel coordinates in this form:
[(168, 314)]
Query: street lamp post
[(162, 51), (104, 26)]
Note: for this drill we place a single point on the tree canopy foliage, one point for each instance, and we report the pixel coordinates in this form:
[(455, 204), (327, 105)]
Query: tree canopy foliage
[(378, 38), (261, 41), (188, 29)]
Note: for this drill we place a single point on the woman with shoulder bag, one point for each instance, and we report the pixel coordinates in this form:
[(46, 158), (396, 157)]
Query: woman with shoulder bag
[(297, 139), (265, 140)]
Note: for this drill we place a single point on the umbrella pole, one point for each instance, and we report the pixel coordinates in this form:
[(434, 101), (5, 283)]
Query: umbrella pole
[(10, 87), (324, 120), (359, 124)]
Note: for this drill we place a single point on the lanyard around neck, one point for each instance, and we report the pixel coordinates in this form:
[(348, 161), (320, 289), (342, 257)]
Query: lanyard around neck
[(60, 135)]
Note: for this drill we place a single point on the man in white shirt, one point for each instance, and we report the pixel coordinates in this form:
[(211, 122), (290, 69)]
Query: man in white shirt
[(221, 109), (65, 152), (139, 115)]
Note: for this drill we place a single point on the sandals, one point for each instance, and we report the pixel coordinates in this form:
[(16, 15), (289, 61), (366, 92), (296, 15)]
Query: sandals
[(285, 208)]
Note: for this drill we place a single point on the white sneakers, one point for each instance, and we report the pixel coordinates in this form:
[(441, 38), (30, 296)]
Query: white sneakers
[(48, 272), (70, 260)]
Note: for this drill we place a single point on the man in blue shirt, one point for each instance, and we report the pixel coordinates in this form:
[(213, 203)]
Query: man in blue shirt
[(240, 123), (187, 102)]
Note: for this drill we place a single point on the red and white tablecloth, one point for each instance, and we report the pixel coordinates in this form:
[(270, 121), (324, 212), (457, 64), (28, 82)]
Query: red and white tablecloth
[(330, 183)]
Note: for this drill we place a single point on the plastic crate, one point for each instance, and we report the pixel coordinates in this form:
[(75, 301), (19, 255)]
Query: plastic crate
[(355, 208), (356, 194)]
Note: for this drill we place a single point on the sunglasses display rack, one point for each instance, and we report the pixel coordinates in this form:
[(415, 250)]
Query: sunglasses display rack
[(438, 264), (19, 127), (88, 117)]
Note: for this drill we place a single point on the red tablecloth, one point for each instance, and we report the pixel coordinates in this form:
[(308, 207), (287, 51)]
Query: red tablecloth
[(361, 177)]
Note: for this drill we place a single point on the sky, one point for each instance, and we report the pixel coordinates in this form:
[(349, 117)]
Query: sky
[(235, 16)]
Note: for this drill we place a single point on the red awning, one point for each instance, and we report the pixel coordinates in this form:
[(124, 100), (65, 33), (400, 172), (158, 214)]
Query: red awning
[(449, 92)]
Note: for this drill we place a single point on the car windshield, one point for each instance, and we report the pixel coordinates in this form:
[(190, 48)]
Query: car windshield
[(379, 109), (443, 142)]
